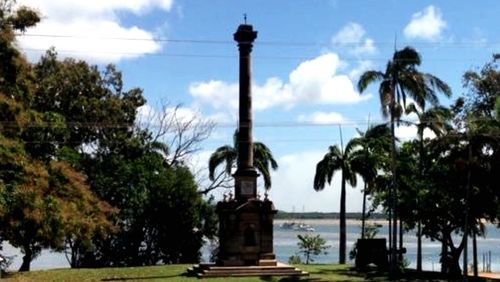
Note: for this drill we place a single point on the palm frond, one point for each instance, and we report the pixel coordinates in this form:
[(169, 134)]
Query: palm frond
[(369, 77), (437, 84), (263, 167), (385, 94), (325, 168), (412, 109), (407, 58), (262, 151), (222, 154)]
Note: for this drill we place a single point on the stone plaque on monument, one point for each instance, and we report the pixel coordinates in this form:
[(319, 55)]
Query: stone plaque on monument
[(247, 188)]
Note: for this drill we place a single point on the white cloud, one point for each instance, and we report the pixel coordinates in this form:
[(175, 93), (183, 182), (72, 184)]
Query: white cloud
[(353, 36), (315, 81), (66, 10), (218, 94), (293, 186), (427, 24), (409, 132), (87, 26), (322, 118), (406, 132)]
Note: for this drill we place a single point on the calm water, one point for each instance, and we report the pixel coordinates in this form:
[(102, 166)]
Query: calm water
[(285, 242), (285, 245)]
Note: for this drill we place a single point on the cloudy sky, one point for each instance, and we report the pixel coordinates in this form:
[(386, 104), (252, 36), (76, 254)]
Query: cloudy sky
[(306, 62)]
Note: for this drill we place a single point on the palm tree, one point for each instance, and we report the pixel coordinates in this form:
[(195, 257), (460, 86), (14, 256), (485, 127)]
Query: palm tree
[(401, 79), (262, 157), (337, 160), (437, 120), (373, 143)]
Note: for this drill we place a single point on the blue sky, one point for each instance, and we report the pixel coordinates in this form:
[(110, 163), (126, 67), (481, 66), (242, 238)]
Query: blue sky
[(306, 62)]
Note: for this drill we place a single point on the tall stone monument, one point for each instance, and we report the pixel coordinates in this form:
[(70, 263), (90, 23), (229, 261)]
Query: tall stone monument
[(245, 222)]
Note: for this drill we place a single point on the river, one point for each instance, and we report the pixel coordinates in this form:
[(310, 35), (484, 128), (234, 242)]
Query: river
[(285, 245)]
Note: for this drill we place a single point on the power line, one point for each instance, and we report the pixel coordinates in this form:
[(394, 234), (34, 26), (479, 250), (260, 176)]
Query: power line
[(270, 43), (219, 56), (277, 124)]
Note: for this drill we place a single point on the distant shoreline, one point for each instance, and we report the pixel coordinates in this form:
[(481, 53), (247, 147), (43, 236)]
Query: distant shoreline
[(332, 221), (326, 215)]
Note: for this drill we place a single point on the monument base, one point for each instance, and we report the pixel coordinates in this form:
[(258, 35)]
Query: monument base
[(212, 270), (245, 242), (246, 233)]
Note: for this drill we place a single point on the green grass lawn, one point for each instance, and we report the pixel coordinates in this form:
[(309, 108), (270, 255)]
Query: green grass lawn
[(318, 272)]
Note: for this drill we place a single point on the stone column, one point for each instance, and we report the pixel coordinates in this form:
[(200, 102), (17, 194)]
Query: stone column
[(245, 175)]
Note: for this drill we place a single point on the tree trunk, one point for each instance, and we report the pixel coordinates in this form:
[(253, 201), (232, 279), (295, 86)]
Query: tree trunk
[(389, 231), (467, 196), (363, 216), (401, 231), (394, 262), (444, 257), (419, 223), (419, 246), (454, 264), (342, 244), (28, 256), (474, 251)]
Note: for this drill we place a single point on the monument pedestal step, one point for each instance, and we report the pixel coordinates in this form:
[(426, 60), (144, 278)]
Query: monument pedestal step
[(268, 262), (212, 270)]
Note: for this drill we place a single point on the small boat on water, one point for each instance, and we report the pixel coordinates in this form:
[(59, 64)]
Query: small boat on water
[(297, 226)]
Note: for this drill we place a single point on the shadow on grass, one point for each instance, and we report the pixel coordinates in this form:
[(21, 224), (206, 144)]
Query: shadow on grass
[(289, 279), (140, 278), (345, 272)]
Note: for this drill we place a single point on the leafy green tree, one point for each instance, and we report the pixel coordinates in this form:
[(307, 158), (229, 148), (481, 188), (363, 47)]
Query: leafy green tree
[(345, 161), (311, 246), (45, 201), (162, 217), (228, 155), (437, 119), (450, 179), (45, 204), (483, 87), (68, 134), (15, 76), (374, 147), (400, 80), (95, 105), (479, 126)]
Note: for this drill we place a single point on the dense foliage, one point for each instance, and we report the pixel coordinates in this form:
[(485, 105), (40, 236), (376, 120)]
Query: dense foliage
[(77, 176), (448, 184)]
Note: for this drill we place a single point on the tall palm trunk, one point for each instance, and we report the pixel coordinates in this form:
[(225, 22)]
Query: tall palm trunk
[(342, 245), (363, 215), (419, 222), (467, 203), (419, 246), (392, 193)]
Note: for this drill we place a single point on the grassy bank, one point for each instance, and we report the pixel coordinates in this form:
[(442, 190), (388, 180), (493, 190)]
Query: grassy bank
[(318, 272)]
